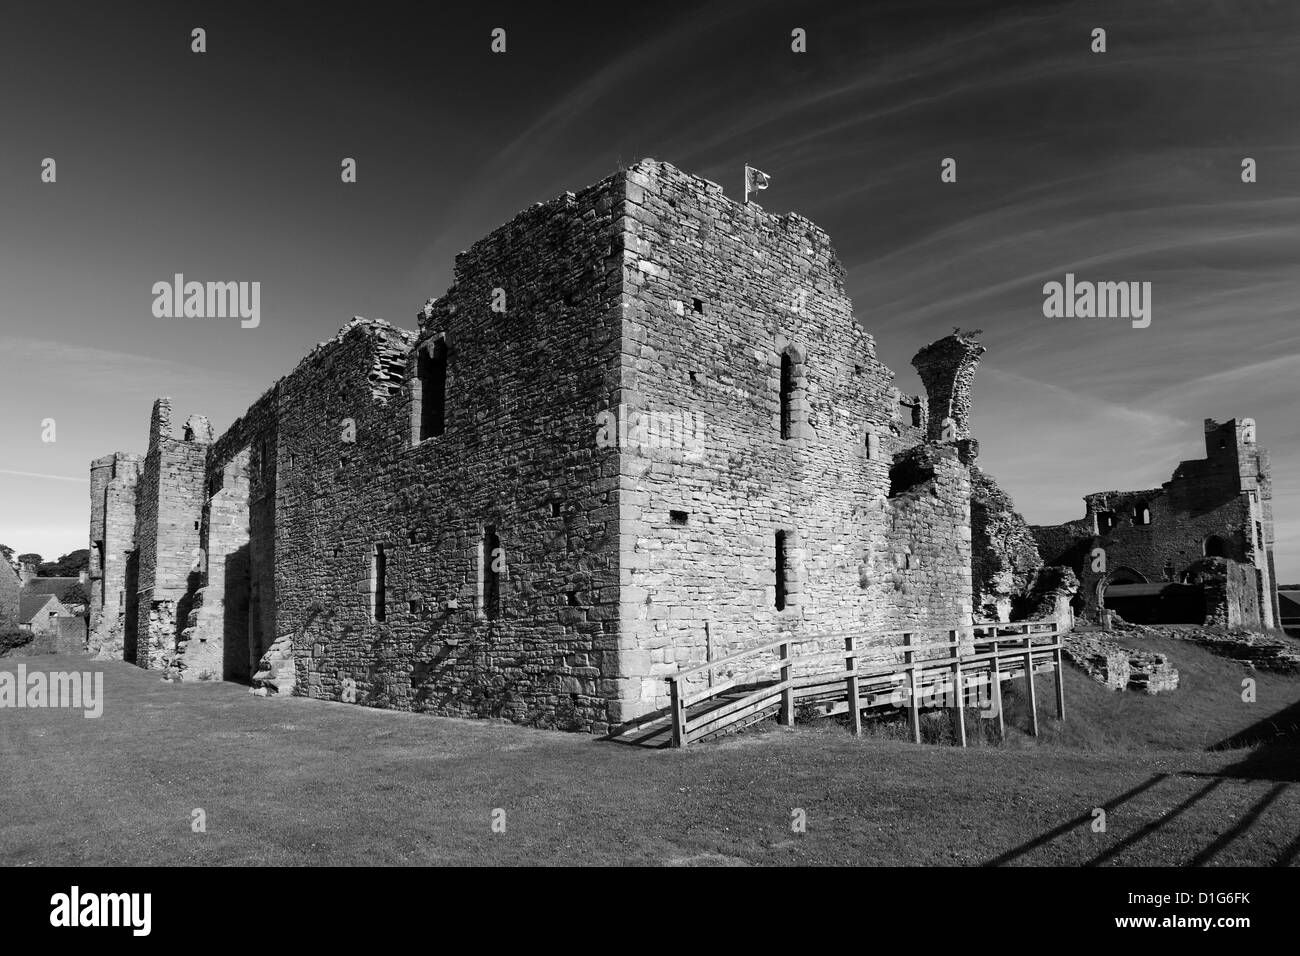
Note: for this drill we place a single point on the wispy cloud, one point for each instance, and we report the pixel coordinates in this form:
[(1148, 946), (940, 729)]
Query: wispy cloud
[(101, 370), (37, 474)]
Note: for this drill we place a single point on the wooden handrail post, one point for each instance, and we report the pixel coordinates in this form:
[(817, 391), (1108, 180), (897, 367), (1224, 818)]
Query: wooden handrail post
[(708, 650), (680, 737), (997, 692), (959, 714), (913, 691), (1029, 685), (786, 715), (855, 704), (1060, 680)]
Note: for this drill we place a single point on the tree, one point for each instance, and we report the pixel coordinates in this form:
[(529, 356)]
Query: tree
[(75, 595), (68, 566), (31, 557), (7, 552)]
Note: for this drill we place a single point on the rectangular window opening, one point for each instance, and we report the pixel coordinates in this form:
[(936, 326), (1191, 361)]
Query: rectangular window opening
[(431, 368), (99, 566), (379, 578), (490, 569), (780, 571), (787, 394), (678, 517)]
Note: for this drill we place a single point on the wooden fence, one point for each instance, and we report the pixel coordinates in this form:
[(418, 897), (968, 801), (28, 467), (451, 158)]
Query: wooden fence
[(861, 675)]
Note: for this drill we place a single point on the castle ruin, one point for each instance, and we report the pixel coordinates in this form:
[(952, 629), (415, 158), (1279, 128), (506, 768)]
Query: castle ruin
[(1196, 550), (642, 429)]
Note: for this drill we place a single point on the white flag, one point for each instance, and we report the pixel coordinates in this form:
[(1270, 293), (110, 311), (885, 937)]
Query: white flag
[(755, 179)]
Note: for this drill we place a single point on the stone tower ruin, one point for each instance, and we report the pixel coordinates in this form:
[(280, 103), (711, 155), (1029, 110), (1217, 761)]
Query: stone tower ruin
[(641, 429)]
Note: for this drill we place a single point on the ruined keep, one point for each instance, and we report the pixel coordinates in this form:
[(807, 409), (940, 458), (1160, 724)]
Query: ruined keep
[(1198, 549), (641, 428)]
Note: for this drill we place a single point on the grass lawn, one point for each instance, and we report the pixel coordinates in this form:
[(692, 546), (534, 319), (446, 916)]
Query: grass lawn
[(295, 781)]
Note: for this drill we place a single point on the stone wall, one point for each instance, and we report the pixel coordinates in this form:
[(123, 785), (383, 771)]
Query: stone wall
[(1231, 595), (168, 513), (516, 464), (947, 370), (662, 435), (112, 579), (234, 616), (926, 567), (726, 306), (1004, 552), (59, 635), (214, 643), (1159, 534)]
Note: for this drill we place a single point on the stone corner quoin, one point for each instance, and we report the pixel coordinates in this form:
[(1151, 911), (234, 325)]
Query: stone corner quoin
[(641, 429)]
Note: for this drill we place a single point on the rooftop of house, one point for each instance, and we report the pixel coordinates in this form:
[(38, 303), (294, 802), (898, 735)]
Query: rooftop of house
[(67, 590), (31, 606)]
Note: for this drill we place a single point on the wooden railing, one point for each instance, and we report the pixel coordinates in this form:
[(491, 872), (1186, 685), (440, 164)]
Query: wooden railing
[(856, 676)]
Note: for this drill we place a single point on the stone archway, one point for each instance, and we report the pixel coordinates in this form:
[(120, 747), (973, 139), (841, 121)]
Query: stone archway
[(1214, 546), (1128, 592)]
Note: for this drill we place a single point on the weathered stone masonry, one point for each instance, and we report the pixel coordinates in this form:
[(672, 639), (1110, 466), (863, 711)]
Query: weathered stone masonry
[(1198, 549), (640, 428), (114, 580)]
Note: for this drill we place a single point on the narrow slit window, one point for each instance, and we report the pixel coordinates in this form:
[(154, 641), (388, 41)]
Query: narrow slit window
[(379, 577), (780, 571), (432, 372), (491, 568), (787, 394), (103, 576)]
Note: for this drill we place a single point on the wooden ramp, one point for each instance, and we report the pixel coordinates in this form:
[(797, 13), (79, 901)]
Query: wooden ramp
[(656, 731), (868, 669)]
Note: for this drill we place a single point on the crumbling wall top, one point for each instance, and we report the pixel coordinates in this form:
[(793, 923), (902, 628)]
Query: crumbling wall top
[(947, 369)]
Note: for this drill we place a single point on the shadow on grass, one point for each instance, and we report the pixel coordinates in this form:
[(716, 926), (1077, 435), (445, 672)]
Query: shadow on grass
[(1201, 857), (1271, 753), (1275, 748), (1082, 820)]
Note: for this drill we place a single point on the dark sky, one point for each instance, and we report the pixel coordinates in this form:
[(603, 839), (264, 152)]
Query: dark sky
[(1123, 166)]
